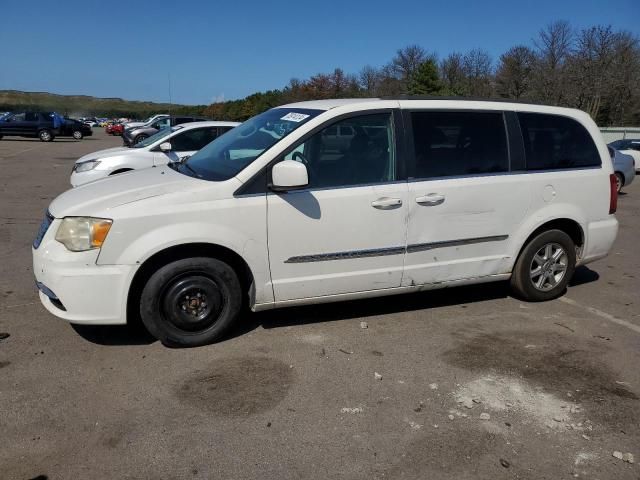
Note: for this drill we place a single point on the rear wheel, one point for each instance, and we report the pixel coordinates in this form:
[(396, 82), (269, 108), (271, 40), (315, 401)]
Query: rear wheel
[(619, 181), (544, 267), (77, 134), (45, 135), (191, 302)]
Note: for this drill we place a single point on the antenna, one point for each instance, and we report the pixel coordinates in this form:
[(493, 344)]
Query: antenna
[(169, 77)]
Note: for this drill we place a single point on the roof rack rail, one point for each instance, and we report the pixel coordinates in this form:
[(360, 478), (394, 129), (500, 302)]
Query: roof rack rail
[(467, 99)]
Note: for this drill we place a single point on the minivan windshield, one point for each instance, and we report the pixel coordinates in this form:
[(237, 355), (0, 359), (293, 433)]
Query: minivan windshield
[(156, 136), (230, 153)]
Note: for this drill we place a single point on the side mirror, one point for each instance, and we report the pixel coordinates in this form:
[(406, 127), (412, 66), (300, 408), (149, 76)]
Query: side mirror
[(288, 175), (165, 147)]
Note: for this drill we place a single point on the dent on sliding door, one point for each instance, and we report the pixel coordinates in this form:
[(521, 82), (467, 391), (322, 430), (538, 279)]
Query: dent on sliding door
[(463, 204)]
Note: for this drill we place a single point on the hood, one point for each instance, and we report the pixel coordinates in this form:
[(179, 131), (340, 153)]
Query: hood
[(97, 198), (133, 124), (109, 152)]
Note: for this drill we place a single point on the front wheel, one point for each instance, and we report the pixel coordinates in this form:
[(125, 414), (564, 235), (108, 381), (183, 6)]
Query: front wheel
[(140, 138), (77, 134), (45, 135), (191, 302), (544, 267)]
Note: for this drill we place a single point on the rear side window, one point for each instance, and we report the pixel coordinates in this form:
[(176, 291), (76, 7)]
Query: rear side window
[(553, 142), (459, 143), (193, 139)]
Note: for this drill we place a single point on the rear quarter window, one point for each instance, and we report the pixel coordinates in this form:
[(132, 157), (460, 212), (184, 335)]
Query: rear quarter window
[(554, 142)]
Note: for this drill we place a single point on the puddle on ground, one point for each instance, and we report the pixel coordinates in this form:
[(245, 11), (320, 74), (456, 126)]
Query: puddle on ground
[(238, 386), (556, 363)]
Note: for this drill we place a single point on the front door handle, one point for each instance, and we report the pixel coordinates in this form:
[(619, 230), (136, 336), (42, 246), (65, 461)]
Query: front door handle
[(386, 203), (430, 200)]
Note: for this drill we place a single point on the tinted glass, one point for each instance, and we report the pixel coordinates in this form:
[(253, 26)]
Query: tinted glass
[(18, 117), (366, 157), (459, 143), (31, 117), (193, 139), (552, 142), (232, 152)]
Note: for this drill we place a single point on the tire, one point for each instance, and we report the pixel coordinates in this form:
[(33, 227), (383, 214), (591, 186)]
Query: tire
[(139, 138), (77, 134), (171, 305), (45, 135), (543, 284), (619, 181)]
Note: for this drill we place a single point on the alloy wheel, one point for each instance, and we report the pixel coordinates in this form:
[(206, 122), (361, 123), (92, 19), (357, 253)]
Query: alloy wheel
[(548, 267)]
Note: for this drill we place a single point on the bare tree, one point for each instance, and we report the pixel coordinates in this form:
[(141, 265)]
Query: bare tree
[(478, 70), (553, 45), (369, 79), (407, 61), (513, 75), (453, 74)]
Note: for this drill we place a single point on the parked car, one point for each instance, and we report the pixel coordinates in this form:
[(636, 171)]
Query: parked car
[(148, 121), (91, 121), (114, 129), (131, 136), (29, 124), (74, 128), (630, 147), (624, 166), (455, 192), (168, 145)]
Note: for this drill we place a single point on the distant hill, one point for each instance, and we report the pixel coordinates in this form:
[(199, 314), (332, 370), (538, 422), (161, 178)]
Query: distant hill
[(85, 105)]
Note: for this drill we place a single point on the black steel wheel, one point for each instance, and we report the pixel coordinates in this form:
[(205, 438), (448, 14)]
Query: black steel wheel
[(191, 302)]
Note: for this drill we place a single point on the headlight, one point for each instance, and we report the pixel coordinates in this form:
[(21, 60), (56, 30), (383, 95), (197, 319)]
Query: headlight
[(86, 166), (83, 233)]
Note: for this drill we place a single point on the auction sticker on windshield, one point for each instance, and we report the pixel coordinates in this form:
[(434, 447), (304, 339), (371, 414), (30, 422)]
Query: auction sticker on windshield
[(294, 117)]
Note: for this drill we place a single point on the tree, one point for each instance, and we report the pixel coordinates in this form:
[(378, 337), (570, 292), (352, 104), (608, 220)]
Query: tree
[(407, 61), (478, 70), (553, 45), (425, 80), (453, 75), (513, 75)]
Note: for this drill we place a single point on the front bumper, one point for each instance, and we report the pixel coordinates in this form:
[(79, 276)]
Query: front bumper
[(74, 288)]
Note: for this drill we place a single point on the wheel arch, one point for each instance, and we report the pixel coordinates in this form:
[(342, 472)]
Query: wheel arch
[(570, 226), (182, 251)]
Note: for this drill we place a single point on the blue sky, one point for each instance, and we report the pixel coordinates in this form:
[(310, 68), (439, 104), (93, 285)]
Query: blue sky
[(231, 49)]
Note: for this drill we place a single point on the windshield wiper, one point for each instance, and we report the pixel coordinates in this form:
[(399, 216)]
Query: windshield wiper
[(185, 164)]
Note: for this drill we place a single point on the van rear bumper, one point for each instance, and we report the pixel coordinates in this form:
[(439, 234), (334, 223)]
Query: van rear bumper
[(599, 239)]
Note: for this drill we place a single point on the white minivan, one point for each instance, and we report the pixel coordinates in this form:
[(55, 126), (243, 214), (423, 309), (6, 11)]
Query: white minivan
[(171, 144), (429, 193)]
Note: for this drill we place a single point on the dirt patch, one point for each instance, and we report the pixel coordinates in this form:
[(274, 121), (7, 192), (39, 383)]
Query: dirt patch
[(553, 364), (238, 386), (4, 364), (508, 394)]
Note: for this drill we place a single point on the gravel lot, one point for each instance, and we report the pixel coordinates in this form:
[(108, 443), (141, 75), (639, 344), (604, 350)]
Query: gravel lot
[(474, 383)]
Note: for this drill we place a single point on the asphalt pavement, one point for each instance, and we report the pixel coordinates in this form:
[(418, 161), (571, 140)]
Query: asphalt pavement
[(452, 384)]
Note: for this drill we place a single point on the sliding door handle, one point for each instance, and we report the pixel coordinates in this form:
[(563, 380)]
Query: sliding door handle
[(430, 200), (386, 203)]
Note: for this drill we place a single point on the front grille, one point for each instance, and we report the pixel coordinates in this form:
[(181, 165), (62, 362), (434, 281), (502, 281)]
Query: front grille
[(44, 226)]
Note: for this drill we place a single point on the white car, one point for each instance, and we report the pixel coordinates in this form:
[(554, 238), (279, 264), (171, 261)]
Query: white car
[(429, 194), (168, 145), (148, 121)]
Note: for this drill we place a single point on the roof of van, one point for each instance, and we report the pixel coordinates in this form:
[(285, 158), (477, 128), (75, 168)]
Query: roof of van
[(339, 102)]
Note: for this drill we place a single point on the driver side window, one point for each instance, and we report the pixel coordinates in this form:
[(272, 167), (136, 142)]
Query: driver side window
[(363, 153)]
